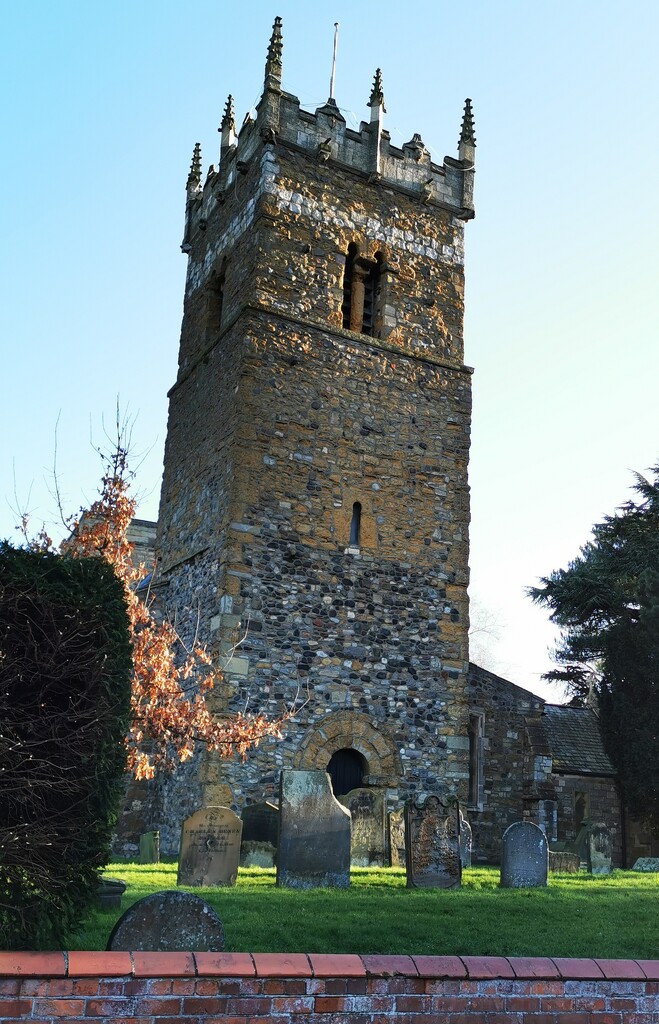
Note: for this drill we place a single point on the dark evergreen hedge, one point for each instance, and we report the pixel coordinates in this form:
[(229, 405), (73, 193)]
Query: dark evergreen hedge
[(65, 671)]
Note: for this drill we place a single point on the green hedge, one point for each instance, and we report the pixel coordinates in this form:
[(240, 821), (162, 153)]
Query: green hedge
[(65, 671)]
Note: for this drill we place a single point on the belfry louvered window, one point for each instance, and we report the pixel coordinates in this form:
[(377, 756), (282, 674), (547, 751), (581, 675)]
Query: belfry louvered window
[(362, 293)]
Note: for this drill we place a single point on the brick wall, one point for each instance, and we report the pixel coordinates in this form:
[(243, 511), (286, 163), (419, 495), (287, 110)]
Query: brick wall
[(237, 988)]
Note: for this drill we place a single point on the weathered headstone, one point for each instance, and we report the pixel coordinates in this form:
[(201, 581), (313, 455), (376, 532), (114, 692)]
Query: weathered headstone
[(150, 848), (367, 827), (524, 856), (600, 850), (210, 847), (314, 833), (432, 843), (396, 821), (259, 842), (109, 892), (564, 861), (168, 921), (646, 864), (466, 839)]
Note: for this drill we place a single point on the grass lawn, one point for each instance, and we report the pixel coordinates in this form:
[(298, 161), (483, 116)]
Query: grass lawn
[(576, 915)]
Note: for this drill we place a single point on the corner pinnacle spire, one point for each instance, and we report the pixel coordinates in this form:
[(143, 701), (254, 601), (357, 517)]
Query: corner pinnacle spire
[(376, 98), (229, 116), (467, 140), (194, 177), (273, 62)]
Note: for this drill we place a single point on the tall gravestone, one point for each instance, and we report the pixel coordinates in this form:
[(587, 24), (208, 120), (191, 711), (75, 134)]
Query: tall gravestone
[(314, 833), (466, 840), (150, 848), (396, 824), (367, 827), (210, 847), (524, 856), (168, 921), (432, 843), (258, 847), (599, 850)]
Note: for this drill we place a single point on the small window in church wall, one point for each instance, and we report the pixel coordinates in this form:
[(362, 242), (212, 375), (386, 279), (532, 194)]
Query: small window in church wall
[(363, 299), (355, 524), (346, 769), (476, 747)]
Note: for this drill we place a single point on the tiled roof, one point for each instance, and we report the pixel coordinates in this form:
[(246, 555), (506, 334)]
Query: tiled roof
[(575, 741)]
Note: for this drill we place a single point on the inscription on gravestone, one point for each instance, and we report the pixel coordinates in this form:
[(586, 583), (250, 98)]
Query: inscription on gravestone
[(367, 827), (210, 847), (524, 856), (432, 843), (314, 833), (599, 850), (646, 864), (168, 921), (396, 822)]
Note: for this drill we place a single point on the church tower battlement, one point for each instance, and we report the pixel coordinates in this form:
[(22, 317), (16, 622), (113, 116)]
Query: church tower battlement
[(314, 503)]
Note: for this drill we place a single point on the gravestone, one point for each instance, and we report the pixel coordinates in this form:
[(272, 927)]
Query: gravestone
[(314, 833), (259, 842), (466, 839), (600, 850), (150, 848), (257, 855), (210, 847), (396, 821), (646, 864), (109, 892), (432, 843), (564, 861), (367, 827), (168, 921), (524, 856)]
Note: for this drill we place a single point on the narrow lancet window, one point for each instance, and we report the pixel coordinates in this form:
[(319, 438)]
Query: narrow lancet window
[(475, 733), (355, 524)]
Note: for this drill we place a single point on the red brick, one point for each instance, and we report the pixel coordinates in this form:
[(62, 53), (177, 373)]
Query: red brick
[(112, 987), (292, 1004), (273, 987), (440, 966), (336, 986), (295, 987), (163, 965), (577, 969), (204, 1004), (249, 1006), (14, 1007), (329, 1004), (58, 987), (32, 965), (522, 1004), (336, 965), (58, 1007), (83, 964), (159, 1006), (619, 969), (157, 987), (488, 967), (109, 1008), (533, 967), (650, 968), (412, 1004), (9, 987), (282, 965), (227, 965), (389, 966)]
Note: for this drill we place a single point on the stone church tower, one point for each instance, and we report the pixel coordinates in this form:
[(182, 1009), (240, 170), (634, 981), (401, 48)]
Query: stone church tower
[(315, 507)]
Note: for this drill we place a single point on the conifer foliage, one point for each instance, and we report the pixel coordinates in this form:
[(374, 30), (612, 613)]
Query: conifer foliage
[(606, 604), (65, 671)]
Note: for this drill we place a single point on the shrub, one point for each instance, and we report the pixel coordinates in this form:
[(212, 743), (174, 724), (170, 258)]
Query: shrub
[(65, 671)]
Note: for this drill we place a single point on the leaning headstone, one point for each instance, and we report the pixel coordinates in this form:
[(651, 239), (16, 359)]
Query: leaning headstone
[(168, 921), (564, 861), (367, 827), (600, 850), (210, 847), (314, 833), (466, 840), (397, 839), (432, 843), (150, 848), (646, 864), (524, 856)]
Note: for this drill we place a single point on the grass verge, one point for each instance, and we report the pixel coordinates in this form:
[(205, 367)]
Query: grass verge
[(576, 915)]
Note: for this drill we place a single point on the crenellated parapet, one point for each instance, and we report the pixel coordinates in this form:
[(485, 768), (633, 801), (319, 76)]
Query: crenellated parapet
[(323, 135)]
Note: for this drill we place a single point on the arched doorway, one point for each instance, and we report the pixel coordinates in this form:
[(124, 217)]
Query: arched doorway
[(347, 768)]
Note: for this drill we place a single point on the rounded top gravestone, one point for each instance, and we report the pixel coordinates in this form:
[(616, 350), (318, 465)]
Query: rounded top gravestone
[(168, 921), (524, 856)]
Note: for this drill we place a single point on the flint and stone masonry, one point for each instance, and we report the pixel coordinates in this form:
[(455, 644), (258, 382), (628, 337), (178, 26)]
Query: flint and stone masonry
[(315, 504)]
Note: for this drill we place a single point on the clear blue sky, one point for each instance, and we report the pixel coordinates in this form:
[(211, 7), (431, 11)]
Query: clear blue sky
[(102, 106)]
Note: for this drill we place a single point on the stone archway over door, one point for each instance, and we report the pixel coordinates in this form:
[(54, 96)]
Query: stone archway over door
[(350, 730)]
